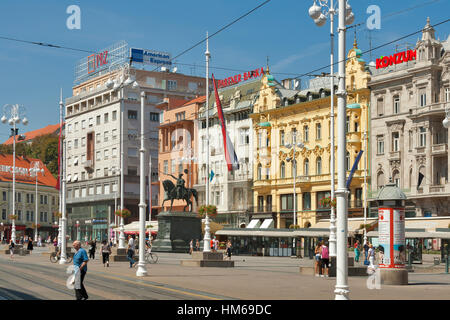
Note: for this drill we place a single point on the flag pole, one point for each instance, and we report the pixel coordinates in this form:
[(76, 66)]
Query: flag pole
[(207, 238)]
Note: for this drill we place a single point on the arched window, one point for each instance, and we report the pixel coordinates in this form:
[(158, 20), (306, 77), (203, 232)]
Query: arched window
[(396, 178), (319, 165), (306, 167), (294, 168), (283, 170), (380, 180), (259, 171)]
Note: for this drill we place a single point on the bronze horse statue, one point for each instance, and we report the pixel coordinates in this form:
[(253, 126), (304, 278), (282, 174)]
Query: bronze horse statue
[(171, 193)]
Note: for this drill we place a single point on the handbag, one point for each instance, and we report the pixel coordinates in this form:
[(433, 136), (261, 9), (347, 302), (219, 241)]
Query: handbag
[(366, 262)]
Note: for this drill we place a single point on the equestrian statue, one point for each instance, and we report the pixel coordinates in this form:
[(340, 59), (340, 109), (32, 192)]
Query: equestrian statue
[(179, 192)]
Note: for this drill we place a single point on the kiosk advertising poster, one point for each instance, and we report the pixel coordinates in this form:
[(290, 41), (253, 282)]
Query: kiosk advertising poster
[(391, 237)]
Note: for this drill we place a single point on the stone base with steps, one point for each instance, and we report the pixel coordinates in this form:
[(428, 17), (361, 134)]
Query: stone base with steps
[(207, 259), (120, 255), (353, 271)]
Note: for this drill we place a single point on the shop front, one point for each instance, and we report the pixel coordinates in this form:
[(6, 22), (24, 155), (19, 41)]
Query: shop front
[(88, 223)]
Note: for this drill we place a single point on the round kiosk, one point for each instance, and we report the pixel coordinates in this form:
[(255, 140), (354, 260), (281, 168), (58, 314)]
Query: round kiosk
[(391, 235)]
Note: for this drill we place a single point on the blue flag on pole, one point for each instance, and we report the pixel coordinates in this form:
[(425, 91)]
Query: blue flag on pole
[(211, 176), (355, 166)]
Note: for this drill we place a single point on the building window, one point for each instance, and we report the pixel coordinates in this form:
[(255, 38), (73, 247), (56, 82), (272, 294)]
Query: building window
[(396, 178), (422, 137), (318, 131), (171, 85), (114, 115), (180, 116), (91, 122), (287, 202), (319, 165), (166, 167), (105, 118), (106, 154), (105, 136), (98, 155), (380, 180), (98, 138), (98, 120), (347, 124), (83, 124), (423, 99), (132, 114), (114, 152), (282, 137), (396, 104), (395, 141), (132, 171), (244, 136), (4, 195), (447, 94), (306, 201), (380, 107), (358, 197), (294, 168), (75, 144), (132, 152), (4, 214), (356, 126), (380, 145), (83, 142), (306, 167), (154, 116), (305, 133), (259, 171), (347, 161), (114, 134), (282, 170)]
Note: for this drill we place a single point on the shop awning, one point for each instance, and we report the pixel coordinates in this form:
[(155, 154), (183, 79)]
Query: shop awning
[(267, 223), (353, 224), (277, 233), (427, 223), (254, 223), (133, 227)]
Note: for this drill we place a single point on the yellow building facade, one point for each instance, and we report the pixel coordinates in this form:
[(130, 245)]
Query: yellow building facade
[(279, 114)]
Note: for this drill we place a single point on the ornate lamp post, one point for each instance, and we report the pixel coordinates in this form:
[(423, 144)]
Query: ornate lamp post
[(294, 164), (120, 85), (346, 17), (14, 114), (207, 238), (35, 169)]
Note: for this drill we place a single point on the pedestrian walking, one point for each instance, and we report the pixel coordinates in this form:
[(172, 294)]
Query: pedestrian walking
[(30, 245), (197, 245), (325, 258), (39, 242), (366, 250), (130, 250), (317, 262), (191, 246), (371, 255), (216, 244), (80, 260), (212, 245), (105, 251), (357, 250), (229, 250), (92, 248), (11, 248)]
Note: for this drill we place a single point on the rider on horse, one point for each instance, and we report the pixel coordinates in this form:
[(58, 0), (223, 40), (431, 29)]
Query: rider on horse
[(180, 185)]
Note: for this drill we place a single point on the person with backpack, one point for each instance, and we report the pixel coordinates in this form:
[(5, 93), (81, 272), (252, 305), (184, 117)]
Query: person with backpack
[(325, 257), (317, 261)]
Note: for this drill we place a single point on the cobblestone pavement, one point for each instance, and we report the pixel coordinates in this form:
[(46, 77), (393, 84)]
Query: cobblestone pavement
[(260, 278)]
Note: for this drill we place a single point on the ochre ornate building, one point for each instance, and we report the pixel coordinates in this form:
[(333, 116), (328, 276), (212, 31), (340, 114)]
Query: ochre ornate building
[(278, 115)]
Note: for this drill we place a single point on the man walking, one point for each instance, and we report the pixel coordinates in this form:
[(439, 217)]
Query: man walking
[(80, 260), (130, 250)]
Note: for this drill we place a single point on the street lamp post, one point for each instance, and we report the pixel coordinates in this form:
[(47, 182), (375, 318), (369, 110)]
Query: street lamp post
[(78, 230), (14, 114), (294, 175), (346, 17), (142, 271), (120, 85), (36, 168), (63, 207), (207, 238)]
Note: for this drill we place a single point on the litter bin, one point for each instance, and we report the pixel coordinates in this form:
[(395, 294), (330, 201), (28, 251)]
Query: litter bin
[(436, 261)]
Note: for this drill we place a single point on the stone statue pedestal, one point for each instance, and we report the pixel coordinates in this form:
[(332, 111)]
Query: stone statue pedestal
[(175, 230), (207, 259)]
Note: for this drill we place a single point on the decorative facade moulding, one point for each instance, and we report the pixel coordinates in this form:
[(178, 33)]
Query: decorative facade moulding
[(421, 160)]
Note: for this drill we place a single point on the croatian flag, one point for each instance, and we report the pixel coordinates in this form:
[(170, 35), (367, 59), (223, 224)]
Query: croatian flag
[(230, 154)]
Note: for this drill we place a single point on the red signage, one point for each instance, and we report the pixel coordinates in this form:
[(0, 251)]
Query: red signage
[(97, 60), (397, 58), (238, 78)]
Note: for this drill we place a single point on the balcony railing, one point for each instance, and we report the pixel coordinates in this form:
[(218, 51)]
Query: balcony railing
[(439, 188), (439, 148)]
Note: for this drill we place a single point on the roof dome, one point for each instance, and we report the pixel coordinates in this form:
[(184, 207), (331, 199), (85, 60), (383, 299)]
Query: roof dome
[(391, 192)]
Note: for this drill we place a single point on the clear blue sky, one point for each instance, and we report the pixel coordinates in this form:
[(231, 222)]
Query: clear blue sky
[(33, 75)]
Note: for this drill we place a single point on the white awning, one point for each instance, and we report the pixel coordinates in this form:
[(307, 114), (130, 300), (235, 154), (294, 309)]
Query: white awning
[(253, 224), (267, 223)]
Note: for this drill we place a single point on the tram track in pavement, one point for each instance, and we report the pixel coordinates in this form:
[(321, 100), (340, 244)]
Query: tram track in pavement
[(99, 285)]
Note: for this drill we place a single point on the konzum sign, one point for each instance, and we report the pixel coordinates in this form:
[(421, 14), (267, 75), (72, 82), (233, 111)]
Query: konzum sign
[(397, 58), (95, 61)]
